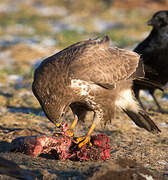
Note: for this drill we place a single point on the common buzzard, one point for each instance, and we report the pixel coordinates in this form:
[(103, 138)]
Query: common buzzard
[(154, 54), (89, 76)]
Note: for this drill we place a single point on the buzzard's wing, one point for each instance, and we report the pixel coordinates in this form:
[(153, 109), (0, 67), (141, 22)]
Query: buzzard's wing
[(102, 64)]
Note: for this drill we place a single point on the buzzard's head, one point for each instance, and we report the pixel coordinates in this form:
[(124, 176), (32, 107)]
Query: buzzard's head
[(54, 108), (159, 20), (55, 113)]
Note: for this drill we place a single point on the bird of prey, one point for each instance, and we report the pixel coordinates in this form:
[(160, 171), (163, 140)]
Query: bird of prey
[(154, 54), (89, 76)]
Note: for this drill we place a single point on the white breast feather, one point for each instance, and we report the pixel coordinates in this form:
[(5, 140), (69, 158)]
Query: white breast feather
[(126, 100), (80, 85)]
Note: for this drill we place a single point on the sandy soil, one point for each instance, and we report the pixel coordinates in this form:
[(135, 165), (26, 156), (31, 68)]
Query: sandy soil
[(135, 153)]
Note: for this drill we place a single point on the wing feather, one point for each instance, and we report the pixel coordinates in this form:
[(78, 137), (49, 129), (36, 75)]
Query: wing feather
[(104, 65)]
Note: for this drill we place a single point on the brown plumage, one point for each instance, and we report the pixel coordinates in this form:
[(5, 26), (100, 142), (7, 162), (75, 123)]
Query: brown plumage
[(90, 76)]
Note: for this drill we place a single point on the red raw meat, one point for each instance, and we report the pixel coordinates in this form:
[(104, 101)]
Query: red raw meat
[(63, 147)]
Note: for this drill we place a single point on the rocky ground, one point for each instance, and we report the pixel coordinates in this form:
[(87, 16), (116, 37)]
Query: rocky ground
[(32, 30)]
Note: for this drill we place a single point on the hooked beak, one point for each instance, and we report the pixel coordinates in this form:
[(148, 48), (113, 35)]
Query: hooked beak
[(149, 23), (62, 125), (58, 125)]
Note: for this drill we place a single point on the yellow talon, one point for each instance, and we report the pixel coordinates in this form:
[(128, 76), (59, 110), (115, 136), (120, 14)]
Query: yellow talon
[(70, 132), (90, 144), (79, 139), (85, 141)]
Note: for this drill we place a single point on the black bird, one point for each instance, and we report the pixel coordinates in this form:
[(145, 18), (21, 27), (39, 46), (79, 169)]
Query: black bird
[(154, 54), (89, 76)]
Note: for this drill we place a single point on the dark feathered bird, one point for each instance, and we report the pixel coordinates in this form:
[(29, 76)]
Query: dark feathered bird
[(154, 53), (89, 76)]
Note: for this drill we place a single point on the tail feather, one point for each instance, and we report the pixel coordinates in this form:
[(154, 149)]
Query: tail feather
[(142, 120), (149, 83)]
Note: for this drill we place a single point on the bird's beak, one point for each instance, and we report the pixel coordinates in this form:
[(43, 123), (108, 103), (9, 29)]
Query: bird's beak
[(61, 123), (58, 125), (149, 23), (62, 126)]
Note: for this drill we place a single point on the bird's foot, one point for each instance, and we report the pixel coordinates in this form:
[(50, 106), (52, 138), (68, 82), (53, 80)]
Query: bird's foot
[(81, 141), (76, 140), (69, 133)]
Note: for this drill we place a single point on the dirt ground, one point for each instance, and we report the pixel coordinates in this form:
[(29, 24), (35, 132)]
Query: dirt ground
[(135, 153)]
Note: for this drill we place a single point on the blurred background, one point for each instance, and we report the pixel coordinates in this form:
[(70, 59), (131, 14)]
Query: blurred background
[(35, 29)]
